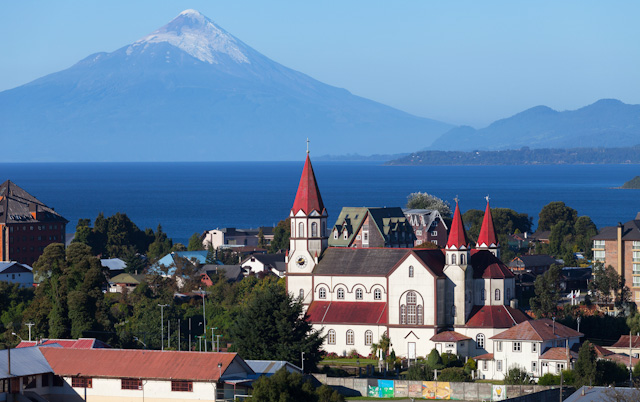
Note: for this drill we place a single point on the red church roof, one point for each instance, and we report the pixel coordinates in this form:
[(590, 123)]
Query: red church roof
[(495, 317), (348, 312), (457, 235), (308, 197), (487, 235), (82, 343)]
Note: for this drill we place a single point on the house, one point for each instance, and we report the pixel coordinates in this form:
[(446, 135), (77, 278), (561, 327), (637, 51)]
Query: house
[(541, 236), (371, 227), (118, 283), (27, 225), (619, 246), (452, 342), (237, 237), (233, 273), (356, 294), (169, 262), (627, 344), (518, 241), (24, 371), (82, 343), (537, 346), (427, 225), (575, 278), (536, 264), (14, 272), (115, 266), (265, 263)]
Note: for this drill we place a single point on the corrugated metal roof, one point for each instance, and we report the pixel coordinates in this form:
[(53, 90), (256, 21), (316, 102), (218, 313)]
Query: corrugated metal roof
[(82, 343), (358, 261), (347, 312), (623, 342), (114, 264), (495, 317), (24, 361), (269, 367), (13, 267), (16, 206), (449, 336), (133, 363), (538, 330)]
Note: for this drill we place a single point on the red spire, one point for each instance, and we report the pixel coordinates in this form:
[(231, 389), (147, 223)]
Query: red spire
[(457, 235), (487, 232), (308, 196)]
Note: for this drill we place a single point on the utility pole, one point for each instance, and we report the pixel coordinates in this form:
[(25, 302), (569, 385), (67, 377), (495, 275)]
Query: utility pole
[(29, 324), (162, 306), (168, 333), (204, 321), (179, 340), (218, 339), (189, 334), (213, 342), (302, 359)]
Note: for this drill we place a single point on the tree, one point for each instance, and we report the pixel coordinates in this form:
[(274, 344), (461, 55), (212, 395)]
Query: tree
[(421, 200), (195, 244), (454, 374), (383, 344), (609, 372), (284, 386), (547, 290), (261, 242), (585, 229), (549, 379), (281, 235), (554, 212), (517, 376), (606, 283), (434, 361), (417, 372), (585, 368), (161, 245), (272, 326)]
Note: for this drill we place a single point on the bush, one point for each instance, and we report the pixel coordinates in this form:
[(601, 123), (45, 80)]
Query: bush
[(517, 376), (451, 360), (470, 366), (549, 379), (609, 372), (434, 361), (418, 372), (454, 374)]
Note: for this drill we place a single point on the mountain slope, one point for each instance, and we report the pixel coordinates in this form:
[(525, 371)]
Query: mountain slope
[(606, 123), (192, 91)]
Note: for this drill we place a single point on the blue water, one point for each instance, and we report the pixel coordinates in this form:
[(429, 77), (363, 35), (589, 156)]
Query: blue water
[(193, 197)]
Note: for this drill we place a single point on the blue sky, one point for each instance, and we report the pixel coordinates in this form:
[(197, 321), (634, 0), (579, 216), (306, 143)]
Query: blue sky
[(464, 62)]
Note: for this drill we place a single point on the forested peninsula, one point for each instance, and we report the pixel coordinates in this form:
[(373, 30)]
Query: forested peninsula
[(523, 156), (632, 184)]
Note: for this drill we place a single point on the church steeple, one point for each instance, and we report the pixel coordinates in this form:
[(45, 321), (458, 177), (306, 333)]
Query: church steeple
[(487, 239), (308, 197), (459, 284), (457, 235)]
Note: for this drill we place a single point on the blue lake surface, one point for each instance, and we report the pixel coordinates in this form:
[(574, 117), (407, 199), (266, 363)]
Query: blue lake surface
[(193, 197)]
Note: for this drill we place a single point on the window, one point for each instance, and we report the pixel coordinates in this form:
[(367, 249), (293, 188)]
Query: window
[(420, 315), (598, 244), (377, 294), (331, 337), (368, 338), (534, 367), (324, 229), (534, 347), (340, 293), (636, 269), (181, 386), (322, 293), (636, 281), (462, 259), (418, 242), (517, 346), (598, 255), (410, 271), (453, 311), (434, 242), (45, 380), (350, 337), (485, 365), (412, 311), (418, 232), (301, 229), (480, 341), (403, 314), (346, 235), (365, 236), (358, 294), (314, 229), (301, 294), (453, 259), (81, 382), (130, 383), (29, 381), (498, 365), (560, 367), (335, 234), (497, 294), (499, 346), (434, 233), (636, 256)]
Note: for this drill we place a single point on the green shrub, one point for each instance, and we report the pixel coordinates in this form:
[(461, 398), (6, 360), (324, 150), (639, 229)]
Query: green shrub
[(454, 374), (517, 376), (549, 379)]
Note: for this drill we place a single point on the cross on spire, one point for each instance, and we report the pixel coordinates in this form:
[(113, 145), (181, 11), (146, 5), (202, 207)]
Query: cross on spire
[(307, 144), (487, 198)]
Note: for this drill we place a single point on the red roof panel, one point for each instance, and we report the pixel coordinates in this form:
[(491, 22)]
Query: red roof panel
[(538, 330), (558, 354), (487, 234), (623, 342), (486, 356), (136, 363), (449, 336), (488, 266), (495, 317), (308, 197), (348, 312), (457, 235)]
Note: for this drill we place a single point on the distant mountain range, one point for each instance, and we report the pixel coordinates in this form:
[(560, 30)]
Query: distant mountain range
[(192, 91), (607, 123)]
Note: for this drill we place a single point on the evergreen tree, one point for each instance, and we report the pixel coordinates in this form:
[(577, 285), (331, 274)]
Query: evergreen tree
[(281, 235), (261, 242), (434, 361), (283, 386), (547, 290), (195, 244), (555, 212), (585, 368), (517, 376)]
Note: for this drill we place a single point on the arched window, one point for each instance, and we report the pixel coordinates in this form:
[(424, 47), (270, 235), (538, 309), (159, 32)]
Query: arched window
[(497, 294), (301, 294), (403, 314), (508, 294), (301, 230), (350, 337), (377, 294), (358, 294), (368, 338), (480, 341), (412, 310), (410, 271), (453, 259), (322, 293), (462, 258), (314, 229), (482, 294), (331, 337), (340, 293)]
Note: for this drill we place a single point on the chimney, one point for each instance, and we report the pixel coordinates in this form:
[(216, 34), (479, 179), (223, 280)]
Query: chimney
[(620, 251)]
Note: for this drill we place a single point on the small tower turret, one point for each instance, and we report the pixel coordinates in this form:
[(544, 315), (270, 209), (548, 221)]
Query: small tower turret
[(487, 239), (459, 285)]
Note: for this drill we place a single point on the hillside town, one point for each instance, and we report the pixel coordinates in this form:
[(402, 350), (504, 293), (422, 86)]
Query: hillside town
[(392, 301)]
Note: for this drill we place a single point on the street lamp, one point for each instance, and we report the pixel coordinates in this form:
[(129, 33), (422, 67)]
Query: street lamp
[(14, 334), (162, 306), (220, 370), (135, 338)]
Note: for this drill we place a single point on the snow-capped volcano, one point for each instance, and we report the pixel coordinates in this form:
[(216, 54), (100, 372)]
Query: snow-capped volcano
[(192, 91), (198, 36)]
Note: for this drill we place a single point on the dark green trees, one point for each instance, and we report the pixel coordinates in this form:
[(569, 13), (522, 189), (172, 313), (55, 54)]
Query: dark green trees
[(547, 289), (291, 387), (195, 243), (271, 327), (281, 235), (421, 200), (585, 368)]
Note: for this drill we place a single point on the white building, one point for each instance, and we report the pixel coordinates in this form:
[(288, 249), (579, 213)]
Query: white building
[(354, 295), (537, 346), (14, 272)]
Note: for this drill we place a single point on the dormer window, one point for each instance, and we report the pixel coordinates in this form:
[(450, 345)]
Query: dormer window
[(346, 235), (335, 234)]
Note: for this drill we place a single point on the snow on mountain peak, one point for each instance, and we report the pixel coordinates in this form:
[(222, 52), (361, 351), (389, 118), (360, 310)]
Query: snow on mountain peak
[(196, 35)]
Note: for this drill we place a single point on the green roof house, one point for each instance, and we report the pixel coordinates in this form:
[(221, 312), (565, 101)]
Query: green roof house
[(371, 227)]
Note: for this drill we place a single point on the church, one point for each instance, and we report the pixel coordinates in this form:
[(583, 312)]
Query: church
[(453, 299)]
